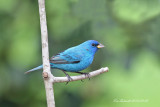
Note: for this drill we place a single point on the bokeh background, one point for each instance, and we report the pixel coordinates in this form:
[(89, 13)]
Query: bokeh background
[(130, 30)]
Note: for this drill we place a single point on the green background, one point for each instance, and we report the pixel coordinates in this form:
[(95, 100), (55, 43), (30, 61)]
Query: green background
[(129, 29)]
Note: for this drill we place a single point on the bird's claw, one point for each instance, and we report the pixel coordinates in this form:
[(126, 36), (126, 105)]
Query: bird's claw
[(87, 75), (82, 81), (69, 79)]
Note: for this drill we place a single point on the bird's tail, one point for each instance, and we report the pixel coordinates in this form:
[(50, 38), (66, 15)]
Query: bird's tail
[(34, 69)]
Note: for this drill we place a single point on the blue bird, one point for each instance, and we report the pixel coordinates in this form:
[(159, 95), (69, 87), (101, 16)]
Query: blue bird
[(75, 58)]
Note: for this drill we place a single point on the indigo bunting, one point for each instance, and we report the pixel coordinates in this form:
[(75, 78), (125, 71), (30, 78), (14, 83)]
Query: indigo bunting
[(74, 59)]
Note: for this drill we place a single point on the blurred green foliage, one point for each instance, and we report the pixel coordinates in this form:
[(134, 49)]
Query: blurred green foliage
[(128, 28)]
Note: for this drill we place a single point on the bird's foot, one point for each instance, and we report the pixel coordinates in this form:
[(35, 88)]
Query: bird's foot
[(82, 81), (69, 79), (86, 75)]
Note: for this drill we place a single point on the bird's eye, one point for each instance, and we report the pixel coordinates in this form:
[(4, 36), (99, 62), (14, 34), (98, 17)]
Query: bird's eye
[(93, 44)]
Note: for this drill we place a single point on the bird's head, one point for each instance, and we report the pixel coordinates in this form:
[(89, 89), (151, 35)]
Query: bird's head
[(92, 46)]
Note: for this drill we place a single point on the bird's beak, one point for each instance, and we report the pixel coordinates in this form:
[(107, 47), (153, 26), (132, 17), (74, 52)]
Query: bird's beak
[(100, 46)]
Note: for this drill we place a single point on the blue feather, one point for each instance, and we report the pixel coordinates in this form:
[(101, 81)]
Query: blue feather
[(34, 69), (75, 58)]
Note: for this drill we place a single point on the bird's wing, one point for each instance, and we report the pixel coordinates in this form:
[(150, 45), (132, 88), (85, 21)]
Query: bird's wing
[(66, 58)]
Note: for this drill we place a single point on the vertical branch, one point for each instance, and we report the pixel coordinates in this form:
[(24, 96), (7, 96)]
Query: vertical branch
[(45, 55)]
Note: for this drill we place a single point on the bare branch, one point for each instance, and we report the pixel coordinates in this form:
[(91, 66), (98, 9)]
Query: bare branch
[(45, 55), (80, 77)]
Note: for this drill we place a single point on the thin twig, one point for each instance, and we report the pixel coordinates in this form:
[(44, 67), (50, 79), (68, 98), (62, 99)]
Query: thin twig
[(79, 77)]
